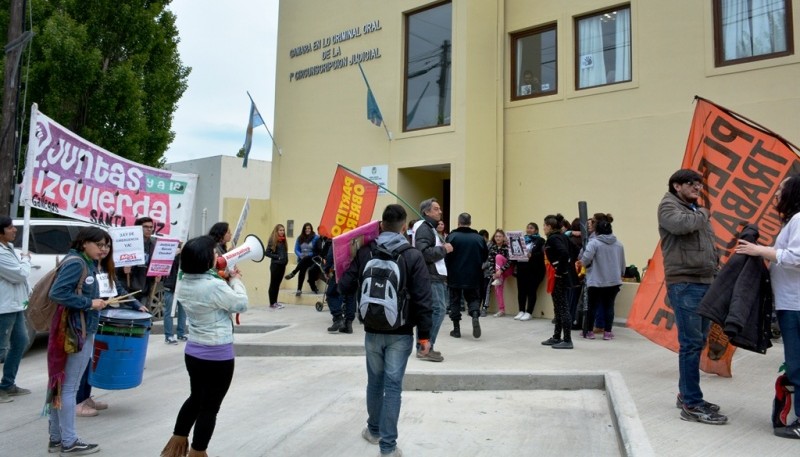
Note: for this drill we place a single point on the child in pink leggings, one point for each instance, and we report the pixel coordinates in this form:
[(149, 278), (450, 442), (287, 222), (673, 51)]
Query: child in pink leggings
[(498, 259)]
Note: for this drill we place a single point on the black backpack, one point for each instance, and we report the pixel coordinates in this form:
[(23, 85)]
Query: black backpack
[(383, 298)]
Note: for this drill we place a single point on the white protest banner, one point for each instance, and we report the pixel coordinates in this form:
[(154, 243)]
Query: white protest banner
[(128, 245), (163, 256), (242, 220), (70, 176), (516, 246)]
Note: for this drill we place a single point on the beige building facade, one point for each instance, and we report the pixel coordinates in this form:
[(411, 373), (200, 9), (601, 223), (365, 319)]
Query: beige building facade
[(515, 109)]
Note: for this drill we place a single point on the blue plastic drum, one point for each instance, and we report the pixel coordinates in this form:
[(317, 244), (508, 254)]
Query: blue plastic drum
[(120, 348)]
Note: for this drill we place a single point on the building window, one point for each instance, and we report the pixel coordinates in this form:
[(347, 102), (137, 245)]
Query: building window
[(603, 43), (535, 70), (427, 79), (748, 30)]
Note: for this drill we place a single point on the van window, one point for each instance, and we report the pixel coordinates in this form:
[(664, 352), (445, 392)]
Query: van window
[(50, 239)]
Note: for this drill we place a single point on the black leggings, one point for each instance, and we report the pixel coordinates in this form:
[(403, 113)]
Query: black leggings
[(302, 266), (563, 322), (209, 381), (528, 280), (276, 272)]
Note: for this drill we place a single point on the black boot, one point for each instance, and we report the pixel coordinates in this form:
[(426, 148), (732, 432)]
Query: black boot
[(347, 327), (456, 332), (290, 275), (476, 325), (338, 323)]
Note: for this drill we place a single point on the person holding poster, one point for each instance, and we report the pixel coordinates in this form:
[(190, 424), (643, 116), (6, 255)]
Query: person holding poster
[(690, 263), (14, 291), (784, 270), (530, 272), (135, 278)]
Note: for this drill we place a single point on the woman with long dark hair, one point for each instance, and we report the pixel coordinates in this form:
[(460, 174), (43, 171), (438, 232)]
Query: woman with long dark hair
[(784, 271), (556, 248), (278, 251), (221, 232), (531, 273), (78, 314), (304, 249), (210, 303)]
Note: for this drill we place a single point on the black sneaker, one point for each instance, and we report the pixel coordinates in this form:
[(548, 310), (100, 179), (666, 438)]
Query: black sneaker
[(709, 405), (551, 341), (80, 448), (53, 447), (476, 327), (563, 345), (702, 414), (790, 431)]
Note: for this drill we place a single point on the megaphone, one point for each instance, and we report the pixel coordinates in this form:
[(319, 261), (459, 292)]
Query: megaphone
[(251, 249)]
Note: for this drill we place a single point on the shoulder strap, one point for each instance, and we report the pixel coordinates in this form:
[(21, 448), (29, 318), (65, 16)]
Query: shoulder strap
[(84, 272)]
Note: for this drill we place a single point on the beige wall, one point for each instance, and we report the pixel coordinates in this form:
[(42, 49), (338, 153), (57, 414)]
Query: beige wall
[(511, 162), (255, 275)]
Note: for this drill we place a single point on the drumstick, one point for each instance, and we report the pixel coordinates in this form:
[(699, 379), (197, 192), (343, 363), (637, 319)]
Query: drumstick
[(126, 295)]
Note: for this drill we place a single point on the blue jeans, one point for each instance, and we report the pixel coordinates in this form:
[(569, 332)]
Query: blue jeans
[(789, 322), (439, 297), (62, 421), (168, 300), (387, 356), (13, 340), (693, 328)]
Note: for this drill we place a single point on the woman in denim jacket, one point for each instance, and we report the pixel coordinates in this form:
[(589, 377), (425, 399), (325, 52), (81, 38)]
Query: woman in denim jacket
[(210, 303), (67, 369)]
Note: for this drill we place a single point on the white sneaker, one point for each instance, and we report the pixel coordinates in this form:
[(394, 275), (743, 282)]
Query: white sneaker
[(500, 314), (172, 340), (525, 317), (497, 282), (519, 315)]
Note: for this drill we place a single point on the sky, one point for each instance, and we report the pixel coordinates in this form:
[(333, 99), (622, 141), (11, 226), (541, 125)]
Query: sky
[(231, 47)]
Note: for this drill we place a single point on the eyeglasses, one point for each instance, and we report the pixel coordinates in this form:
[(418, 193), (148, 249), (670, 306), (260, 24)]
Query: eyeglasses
[(695, 184), (102, 246)]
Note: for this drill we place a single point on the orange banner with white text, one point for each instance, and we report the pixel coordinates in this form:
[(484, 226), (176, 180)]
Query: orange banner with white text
[(351, 202), (742, 165)]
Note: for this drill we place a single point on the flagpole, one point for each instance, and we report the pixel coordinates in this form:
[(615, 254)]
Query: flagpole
[(280, 151), (369, 89)]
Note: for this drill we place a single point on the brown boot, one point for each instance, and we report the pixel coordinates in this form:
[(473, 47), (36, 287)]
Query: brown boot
[(193, 453), (177, 446)]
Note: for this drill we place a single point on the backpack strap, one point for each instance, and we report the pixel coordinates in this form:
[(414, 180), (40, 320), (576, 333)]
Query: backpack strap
[(79, 287)]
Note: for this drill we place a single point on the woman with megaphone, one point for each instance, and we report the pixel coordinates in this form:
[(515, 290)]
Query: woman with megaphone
[(210, 303)]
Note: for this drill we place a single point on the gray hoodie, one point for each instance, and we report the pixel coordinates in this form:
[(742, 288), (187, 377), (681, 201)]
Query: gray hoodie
[(604, 259)]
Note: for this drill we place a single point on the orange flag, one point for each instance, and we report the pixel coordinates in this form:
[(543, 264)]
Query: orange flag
[(351, 202), (742, 165)]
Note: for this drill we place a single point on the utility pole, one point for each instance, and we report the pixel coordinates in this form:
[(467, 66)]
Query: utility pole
[(8, 129), (442, 81)]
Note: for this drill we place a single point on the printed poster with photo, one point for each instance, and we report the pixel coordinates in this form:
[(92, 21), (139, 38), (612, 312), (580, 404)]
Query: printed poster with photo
[(516, 246)]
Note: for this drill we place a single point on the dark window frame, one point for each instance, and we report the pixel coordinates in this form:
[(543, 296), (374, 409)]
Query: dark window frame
[(515, 38), (576, 39), (406, 18), (719, 51)]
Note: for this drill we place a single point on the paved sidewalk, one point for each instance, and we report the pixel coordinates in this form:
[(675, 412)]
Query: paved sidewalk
[(292, 401)]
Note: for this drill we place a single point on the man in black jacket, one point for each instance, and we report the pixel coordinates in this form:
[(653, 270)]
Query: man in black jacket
[(388, 350), (433, 250), (464, 273)]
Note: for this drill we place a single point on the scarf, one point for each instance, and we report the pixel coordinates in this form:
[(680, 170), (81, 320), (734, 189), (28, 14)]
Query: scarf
[(67, 336)]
